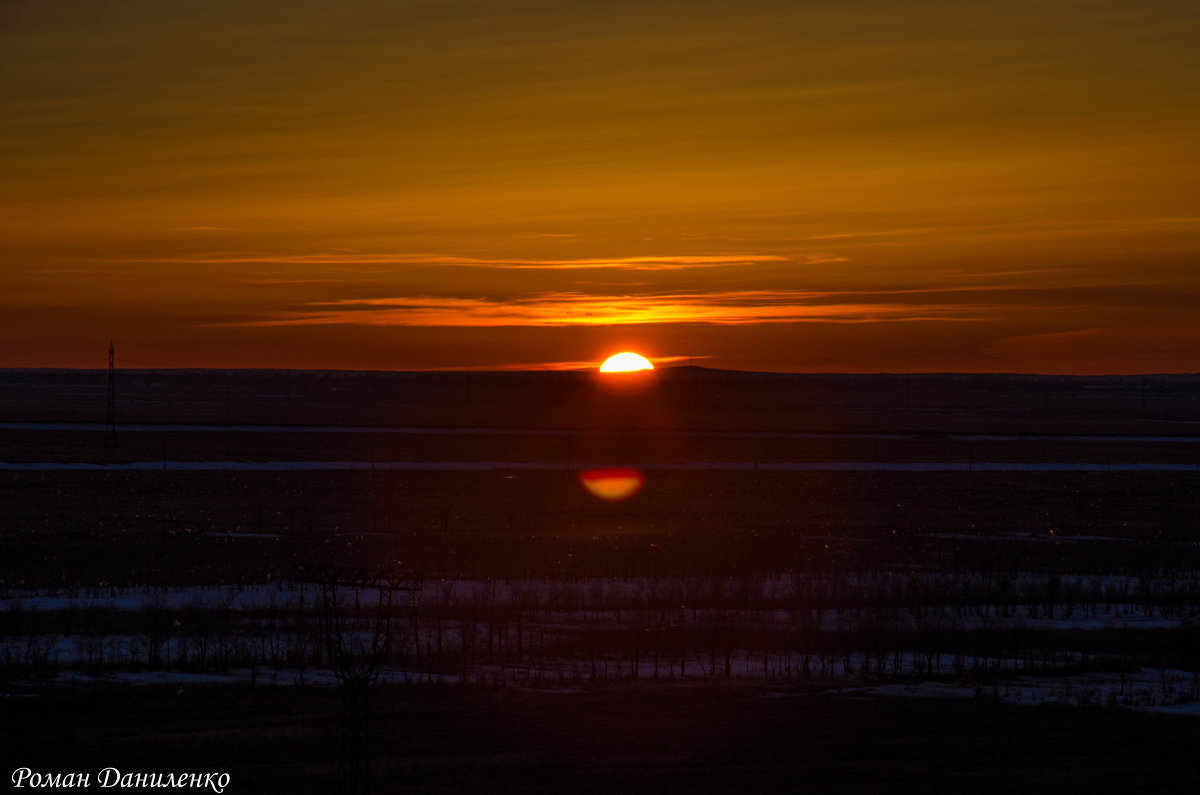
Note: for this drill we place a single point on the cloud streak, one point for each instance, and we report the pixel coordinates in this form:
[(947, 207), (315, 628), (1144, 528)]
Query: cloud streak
[(566, 365), (640, 263), (576, 309)]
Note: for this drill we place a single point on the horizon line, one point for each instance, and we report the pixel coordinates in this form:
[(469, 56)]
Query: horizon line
[(667, 367)]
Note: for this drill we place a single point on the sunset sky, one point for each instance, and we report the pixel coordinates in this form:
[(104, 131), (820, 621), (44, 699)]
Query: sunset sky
[(794, 186)]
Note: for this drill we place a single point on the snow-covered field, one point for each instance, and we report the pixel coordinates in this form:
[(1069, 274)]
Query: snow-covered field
[(1105, 641)]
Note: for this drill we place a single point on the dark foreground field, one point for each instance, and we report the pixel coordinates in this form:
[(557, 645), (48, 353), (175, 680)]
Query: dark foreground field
[(665, 738), (804, 550), (378, 467)]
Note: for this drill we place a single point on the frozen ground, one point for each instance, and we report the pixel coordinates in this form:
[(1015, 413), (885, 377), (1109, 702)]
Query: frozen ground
[(175, 427), (152, 636)]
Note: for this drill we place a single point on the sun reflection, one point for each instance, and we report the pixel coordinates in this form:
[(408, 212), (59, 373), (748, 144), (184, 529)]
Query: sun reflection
[(614, 483)]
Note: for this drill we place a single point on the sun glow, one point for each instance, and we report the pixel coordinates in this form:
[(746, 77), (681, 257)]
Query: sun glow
[(625, 362)]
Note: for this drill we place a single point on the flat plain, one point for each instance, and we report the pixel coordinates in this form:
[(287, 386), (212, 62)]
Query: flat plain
[(844, 582)]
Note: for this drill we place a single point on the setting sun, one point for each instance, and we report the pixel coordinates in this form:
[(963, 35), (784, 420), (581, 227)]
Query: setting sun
[(625, 362)]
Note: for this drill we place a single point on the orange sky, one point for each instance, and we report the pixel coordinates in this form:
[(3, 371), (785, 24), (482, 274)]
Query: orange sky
[(793, 186)]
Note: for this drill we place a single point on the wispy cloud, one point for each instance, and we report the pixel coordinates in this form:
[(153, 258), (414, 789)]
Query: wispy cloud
[(1142, 346), (564, 309), (283, 280), (571, 365), (1034, 229), (641, 263)]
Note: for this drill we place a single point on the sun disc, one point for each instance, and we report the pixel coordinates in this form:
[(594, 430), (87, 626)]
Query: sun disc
[(625, 362)]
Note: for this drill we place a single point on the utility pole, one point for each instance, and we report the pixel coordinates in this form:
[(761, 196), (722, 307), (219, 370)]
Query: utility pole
[(110, 420)]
